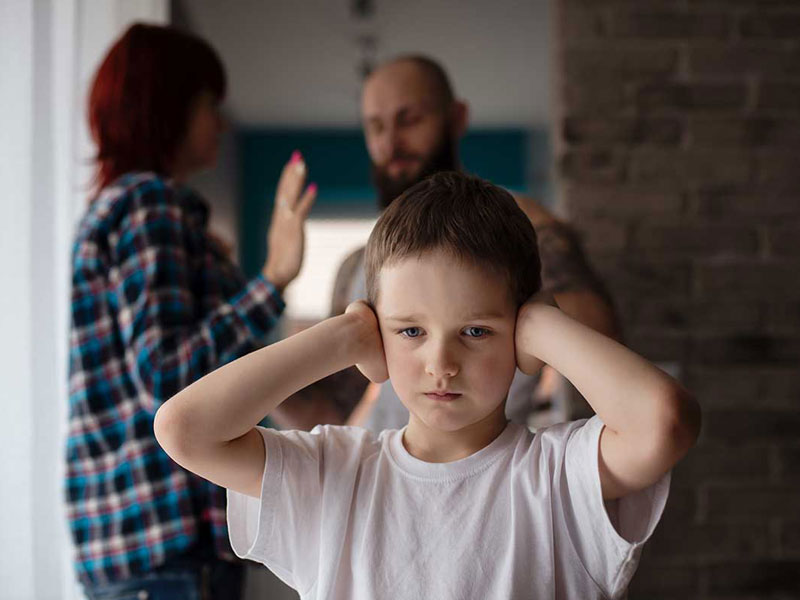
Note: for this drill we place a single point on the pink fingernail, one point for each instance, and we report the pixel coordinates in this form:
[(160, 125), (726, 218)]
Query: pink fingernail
[(296, 157), (312, 187)]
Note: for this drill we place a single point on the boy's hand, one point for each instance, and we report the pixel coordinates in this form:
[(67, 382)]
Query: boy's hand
[(527, 362), (371, 359)]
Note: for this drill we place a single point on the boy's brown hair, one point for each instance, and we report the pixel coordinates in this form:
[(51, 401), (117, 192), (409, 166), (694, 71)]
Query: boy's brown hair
[(466, 216)]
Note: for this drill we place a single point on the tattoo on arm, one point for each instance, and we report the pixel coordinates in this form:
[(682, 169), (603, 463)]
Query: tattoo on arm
[(564, 264)]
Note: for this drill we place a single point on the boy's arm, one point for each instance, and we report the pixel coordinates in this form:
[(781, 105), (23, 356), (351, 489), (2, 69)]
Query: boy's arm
[(209, 427), (650, 420), (330, 400)]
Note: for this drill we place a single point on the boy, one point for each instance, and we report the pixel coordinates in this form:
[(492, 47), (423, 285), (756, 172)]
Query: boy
[(459, 503)]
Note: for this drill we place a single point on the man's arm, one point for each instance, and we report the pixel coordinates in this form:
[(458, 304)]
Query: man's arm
[(651, 422), (209, 427), (567, 275), (566, 272)]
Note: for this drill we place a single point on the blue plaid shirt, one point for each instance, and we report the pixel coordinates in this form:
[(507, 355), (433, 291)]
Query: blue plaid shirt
[(156, 305)]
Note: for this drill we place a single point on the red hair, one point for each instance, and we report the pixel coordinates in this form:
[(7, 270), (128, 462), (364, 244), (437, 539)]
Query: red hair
[(142, 97)]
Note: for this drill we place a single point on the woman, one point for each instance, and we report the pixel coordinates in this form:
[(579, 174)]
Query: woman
[(156, 304)]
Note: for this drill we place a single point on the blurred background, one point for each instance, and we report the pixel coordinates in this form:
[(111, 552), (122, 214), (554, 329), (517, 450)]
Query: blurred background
[(295, 79), (666, 131)]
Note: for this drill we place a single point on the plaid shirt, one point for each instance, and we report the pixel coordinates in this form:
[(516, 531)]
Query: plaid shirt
[(155, 305)]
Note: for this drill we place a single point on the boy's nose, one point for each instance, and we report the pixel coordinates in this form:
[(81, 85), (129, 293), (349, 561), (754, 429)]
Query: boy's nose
[(441, 363)]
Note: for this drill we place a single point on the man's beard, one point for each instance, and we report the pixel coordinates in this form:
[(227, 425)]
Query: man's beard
[(444, 158)]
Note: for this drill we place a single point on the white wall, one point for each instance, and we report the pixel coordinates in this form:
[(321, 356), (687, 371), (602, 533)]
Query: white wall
[(328, 242), (295, 63), (16, 448), (48, 51), (220, 187)]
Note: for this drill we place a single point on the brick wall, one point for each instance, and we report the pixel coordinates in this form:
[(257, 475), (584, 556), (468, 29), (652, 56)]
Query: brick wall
[(679, 162)]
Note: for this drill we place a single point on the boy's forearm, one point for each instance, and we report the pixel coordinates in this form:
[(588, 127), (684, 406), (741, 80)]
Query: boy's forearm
[(591, 309), (630, 395), (229, 402)]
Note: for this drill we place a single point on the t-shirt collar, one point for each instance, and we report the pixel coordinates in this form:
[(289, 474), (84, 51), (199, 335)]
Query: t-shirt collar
[(454, 470)]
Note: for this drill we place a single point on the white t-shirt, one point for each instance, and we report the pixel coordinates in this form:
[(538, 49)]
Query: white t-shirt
[(346, 514)]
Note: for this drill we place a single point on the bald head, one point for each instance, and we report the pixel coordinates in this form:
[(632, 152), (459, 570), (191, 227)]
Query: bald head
[(426, 73), (412, 123)]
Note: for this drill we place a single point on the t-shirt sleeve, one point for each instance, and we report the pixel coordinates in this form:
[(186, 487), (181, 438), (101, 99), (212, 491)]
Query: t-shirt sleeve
[(281, 529), (296, 527), (608, 536)]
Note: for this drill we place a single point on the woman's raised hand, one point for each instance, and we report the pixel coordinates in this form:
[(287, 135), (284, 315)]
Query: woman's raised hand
[(286, 236)]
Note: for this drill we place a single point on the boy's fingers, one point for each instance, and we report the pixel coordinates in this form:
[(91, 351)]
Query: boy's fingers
[(377, 375), (374, 366), (359, 306), (353, 306)]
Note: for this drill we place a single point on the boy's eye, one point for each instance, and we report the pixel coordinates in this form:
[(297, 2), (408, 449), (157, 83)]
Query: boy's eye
[(411, 332), (476, 332)]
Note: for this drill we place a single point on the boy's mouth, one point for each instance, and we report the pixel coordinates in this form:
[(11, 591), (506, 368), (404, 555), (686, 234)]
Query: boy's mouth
[(442, 396)]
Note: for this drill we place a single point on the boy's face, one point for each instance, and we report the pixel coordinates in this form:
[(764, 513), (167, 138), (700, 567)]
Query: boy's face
[(447, 327)]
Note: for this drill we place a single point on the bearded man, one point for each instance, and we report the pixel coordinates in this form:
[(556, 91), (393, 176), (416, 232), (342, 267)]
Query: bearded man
[(412, 126)]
